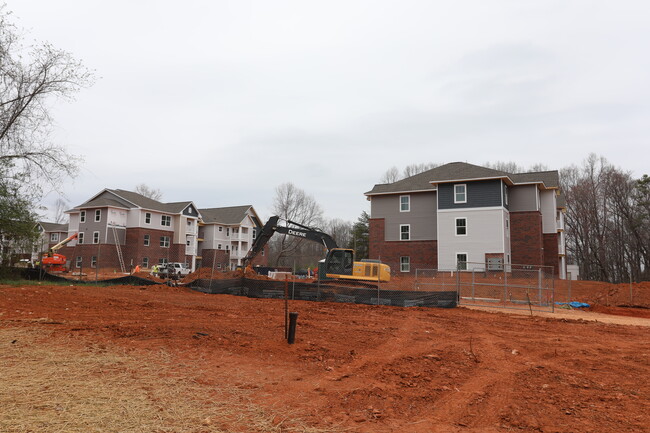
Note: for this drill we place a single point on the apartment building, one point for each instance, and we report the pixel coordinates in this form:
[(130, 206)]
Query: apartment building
[(458, 213), (123, 229), (226, 234)]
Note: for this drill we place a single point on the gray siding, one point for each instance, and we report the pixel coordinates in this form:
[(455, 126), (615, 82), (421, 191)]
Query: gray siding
[(193, 213), (422, 217), (523, 198), (481, 193)]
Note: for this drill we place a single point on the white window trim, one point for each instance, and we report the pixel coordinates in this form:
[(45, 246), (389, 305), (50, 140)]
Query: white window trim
[(408, 203), (145, 218), (464, 185), (80, 238), (408, 264), (145, 262), (164, 218), (466, 259), (165, 240), (82, 216), (98, 215), (54, 237), (78, 262), (456, 226), (146, 240), (400, 232), (95, 233)]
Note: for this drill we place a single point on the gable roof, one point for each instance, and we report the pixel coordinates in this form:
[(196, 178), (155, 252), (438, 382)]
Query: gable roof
[(462, 171), (128, 200), (224, 215), (53, 227)]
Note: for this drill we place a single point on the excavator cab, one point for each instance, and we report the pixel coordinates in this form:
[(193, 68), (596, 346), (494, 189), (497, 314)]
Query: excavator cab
[(338, 262)]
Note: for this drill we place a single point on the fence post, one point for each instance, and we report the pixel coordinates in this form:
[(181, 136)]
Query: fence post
[(473, 286), (539, 285), (505, 284), (99, 243), (569, 283)]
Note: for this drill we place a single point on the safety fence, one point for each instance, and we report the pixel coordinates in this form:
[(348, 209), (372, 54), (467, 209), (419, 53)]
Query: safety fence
[(510, 286), (328, 292)]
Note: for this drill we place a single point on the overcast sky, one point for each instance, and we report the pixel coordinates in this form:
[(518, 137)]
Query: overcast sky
[(219, 102)]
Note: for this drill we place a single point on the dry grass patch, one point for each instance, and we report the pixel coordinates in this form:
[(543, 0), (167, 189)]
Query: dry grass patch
[(60, 385)]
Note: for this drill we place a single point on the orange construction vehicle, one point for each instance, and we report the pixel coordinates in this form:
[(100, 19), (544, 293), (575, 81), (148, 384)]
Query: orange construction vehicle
[(53, 262)]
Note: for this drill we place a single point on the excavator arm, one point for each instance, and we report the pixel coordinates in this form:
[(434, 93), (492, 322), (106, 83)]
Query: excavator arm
[(291, 228)]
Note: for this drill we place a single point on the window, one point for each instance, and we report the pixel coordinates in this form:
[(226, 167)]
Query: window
[(80, 238), (461, 261), (190, 210), (460, 193), (405, 264), (227, 231), (505, 194), (404, 203), (162, 261), (404, 232), (147, 240), (147, 218), (95, 237), (166, 220), (219, 246), (262, 253), (227, 247), (187, 242), (461, 226), (145, 262), (82, 216), (220, 228), (54, 237), (78, 262), (254, 234), (93, 262), (164, 241), (98, 215)]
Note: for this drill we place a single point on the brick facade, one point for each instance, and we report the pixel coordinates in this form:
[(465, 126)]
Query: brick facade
[(526, 242), (422, 254), (217, 259), (551, 252)]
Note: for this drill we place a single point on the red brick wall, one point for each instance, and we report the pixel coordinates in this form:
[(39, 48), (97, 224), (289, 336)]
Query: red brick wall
[(215, 257), (136, 250), (423, 254), (551, 252), (526, 242)]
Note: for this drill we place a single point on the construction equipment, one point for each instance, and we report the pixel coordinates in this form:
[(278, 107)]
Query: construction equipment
[(53, 262), (339, 263)]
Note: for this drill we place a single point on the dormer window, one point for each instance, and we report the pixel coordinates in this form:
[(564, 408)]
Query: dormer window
[(460, 193)]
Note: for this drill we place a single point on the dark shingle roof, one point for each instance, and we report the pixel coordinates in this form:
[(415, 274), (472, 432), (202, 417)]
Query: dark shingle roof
[(54, 227), (128, 199), (224, 215), (550, 178), (455, 171)]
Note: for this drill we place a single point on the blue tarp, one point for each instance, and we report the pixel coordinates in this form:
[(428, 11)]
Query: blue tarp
[(574, 304)]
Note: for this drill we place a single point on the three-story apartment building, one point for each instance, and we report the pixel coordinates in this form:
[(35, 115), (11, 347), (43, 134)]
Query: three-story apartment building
[(458, 213), (122, 229), (226, 235)]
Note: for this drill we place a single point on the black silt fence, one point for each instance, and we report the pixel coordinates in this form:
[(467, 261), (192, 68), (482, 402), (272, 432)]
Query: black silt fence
[(326, 292)]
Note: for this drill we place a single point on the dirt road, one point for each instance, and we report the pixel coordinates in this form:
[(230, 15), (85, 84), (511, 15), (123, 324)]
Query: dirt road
[(354, 368)]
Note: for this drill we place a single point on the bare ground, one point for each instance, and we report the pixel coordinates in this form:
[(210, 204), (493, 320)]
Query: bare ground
[(136, 359)]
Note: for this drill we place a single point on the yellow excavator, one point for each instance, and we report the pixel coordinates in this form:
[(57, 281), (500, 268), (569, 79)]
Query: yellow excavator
[(339, 263)]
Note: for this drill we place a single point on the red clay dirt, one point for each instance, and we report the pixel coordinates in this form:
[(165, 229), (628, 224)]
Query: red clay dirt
[(370, 368)]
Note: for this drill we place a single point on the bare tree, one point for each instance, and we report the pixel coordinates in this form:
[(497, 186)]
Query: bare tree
[(607, 232), (143, 189), (391, 175), (29, 78), (293, 204), (340, 231), (60, 206), (413, 169)]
